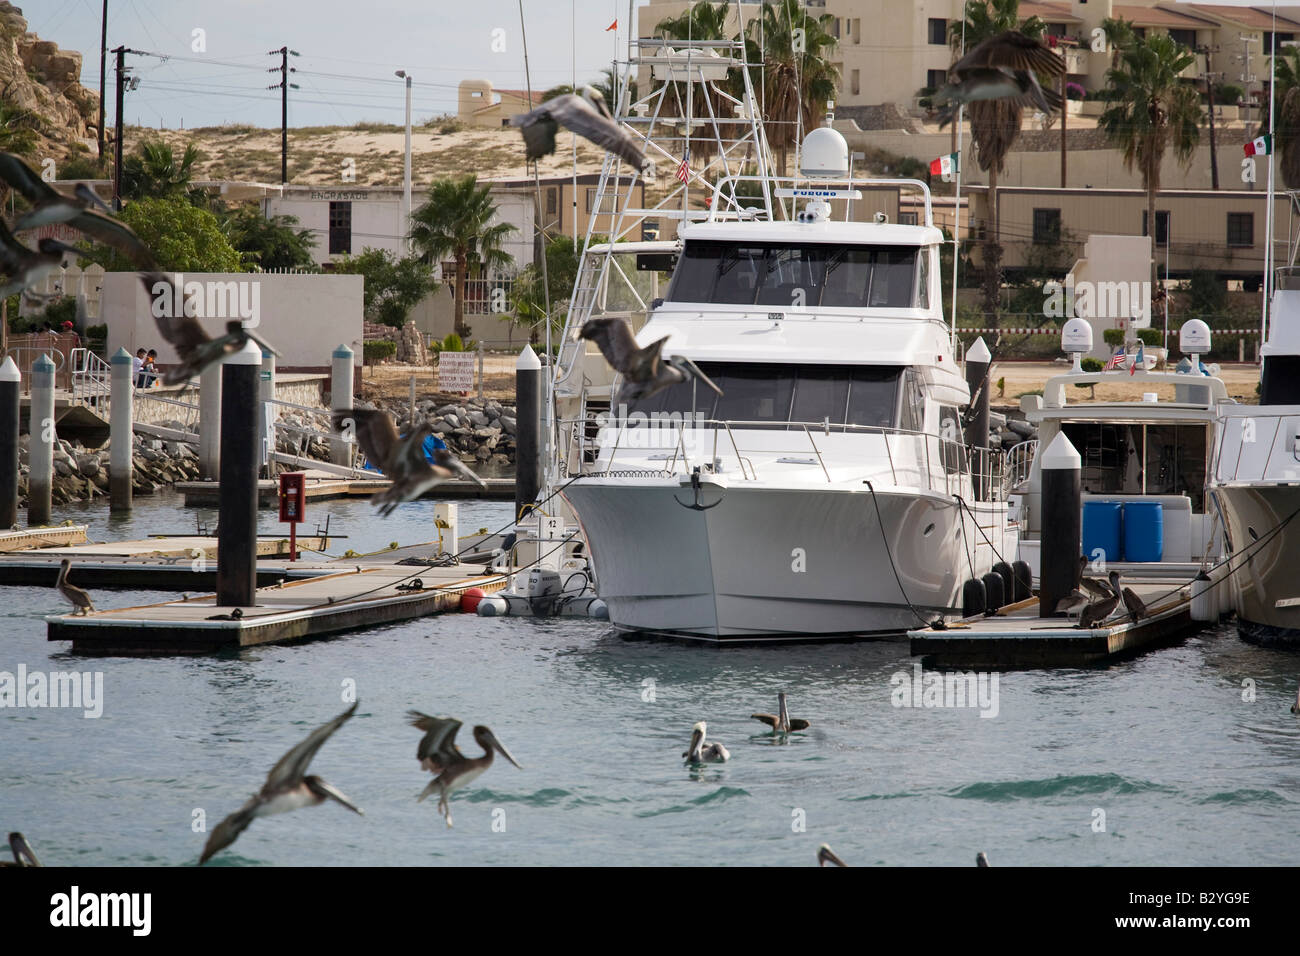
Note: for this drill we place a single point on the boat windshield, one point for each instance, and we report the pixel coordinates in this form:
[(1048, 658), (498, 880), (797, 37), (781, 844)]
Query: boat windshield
[(780, 393), (797, 275)]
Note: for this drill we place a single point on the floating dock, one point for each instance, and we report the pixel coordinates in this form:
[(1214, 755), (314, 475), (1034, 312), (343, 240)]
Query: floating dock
[(329, 602), (1016, 637), (11, 541), (321, 487)]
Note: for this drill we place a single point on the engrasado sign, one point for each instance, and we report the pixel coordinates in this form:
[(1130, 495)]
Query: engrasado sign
[(456, 371)]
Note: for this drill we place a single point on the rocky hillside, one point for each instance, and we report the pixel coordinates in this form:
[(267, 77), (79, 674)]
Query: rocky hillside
[(37, 76)]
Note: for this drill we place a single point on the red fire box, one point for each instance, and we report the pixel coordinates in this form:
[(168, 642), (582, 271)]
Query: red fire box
[(293, 496)]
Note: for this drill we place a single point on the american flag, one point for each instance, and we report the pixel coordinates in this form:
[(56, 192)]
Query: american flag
[(1116, 360), (684, 170)]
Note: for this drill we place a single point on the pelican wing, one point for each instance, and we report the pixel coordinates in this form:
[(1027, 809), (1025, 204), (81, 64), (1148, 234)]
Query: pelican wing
[(13, 254), (437, 747), (115, 233), (1011, 49), (798, 723), (24, 179), (227, 831), (376, 434), (294, 764), (615, 340), (444, 458), (1095, 587), (574, 113), (769, 719), (182, 332)]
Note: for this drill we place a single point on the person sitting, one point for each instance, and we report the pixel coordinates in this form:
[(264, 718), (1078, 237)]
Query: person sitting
[(137, 364), (149, 370)]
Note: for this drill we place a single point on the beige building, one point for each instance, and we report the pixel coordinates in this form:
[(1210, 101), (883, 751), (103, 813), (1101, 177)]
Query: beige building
[(1220, 231), (478, 104), (890, 49)]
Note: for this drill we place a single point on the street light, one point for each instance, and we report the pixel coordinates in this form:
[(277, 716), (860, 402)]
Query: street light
[(406, 168)]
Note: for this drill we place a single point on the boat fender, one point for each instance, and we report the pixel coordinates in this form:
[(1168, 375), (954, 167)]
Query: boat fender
[(493, 606), (1024, 577), (1203, 608), (470, 599), (993, 592), (973, 598), (1008, 582), (598, 610)]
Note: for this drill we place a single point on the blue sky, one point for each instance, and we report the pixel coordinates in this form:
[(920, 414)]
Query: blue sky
[(349, 51)]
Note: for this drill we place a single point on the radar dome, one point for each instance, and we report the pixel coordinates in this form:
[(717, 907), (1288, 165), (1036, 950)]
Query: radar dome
[(825, 154), (1076, 336)]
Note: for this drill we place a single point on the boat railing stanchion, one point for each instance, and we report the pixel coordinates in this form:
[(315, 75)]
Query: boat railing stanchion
[(816, 450), (1277, 427)]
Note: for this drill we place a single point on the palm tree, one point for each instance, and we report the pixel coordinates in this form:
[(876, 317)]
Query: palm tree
[(457, 221), (1150, 109), (1286, 137), (994, 124), (155, 173), (798, 78)]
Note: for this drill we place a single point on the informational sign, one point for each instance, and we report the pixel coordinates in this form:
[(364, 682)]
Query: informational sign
[(456, 371)]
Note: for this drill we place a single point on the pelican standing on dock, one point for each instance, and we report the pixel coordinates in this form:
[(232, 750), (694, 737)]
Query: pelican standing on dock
[(781, 722), (438, 753), (1099, 610), (826, 855), (286, 788), (74, 595), (701, 752), (1135, 606), (23, 853)]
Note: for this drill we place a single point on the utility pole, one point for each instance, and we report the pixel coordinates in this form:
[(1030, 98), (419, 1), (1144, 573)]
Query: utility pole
[(284, 69), (120, 53), (1209, 93), (103, 69), (1247, 77), (1065, 111)]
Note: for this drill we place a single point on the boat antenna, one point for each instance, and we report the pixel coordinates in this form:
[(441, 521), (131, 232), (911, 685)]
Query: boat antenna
[(1268, 211), (956, 208)]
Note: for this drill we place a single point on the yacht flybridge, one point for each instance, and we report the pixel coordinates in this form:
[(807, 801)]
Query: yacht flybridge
[(829, 491)]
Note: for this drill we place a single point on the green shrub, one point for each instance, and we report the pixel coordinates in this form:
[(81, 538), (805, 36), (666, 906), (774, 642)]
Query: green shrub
[(378, 350), (1113, 337), (1153, 338)]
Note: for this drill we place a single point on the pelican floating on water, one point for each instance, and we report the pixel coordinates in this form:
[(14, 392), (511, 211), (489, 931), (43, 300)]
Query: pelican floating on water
[(74, 595), (23, 853), (286, 788), (781, 721), (826, 855), (701, 752), (981, 859), (438, 753)]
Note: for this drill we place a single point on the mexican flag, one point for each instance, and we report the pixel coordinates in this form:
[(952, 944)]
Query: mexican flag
[(1260, 147), (944, 165)]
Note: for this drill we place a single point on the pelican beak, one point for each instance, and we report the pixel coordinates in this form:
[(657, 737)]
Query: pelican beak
[(458, 466), (500, 748), (326, 790), (89, 195), (826, 855), (697, 736)]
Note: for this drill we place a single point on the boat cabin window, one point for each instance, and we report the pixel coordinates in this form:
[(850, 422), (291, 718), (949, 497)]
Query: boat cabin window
[(779, 393), (1141, 459), (797, 275)]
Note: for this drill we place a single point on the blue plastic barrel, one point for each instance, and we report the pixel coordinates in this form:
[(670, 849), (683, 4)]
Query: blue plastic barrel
[(1144, 531), (1101, 529)]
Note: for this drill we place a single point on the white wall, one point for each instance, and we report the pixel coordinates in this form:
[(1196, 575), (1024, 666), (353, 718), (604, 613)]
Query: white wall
[(305, 317)]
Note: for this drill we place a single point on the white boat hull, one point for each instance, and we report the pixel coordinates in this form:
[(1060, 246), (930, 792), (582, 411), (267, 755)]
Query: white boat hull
[(778, 564), (1268, 577)]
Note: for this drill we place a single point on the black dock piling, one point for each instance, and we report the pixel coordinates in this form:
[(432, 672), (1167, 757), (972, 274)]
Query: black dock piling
[(1062, 524), (528, 434), (10, 380), (240, 453)]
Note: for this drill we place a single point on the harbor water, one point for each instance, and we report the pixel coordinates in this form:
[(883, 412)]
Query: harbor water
[(1183, 756)]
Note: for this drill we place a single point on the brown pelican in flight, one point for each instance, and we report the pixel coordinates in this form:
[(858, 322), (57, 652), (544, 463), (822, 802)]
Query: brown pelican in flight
[(79, 211), (21, 267), (287, 787), (438, 753), (1005, 66), (23, 853), (197, 349), (780, 722), (644, 371), (701, 752), (826, 855), (585, 114), (401, 459), (75, 596)]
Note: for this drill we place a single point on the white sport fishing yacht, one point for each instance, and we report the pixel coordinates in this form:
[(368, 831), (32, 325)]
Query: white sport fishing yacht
[(1256, 482), (829, 491)]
